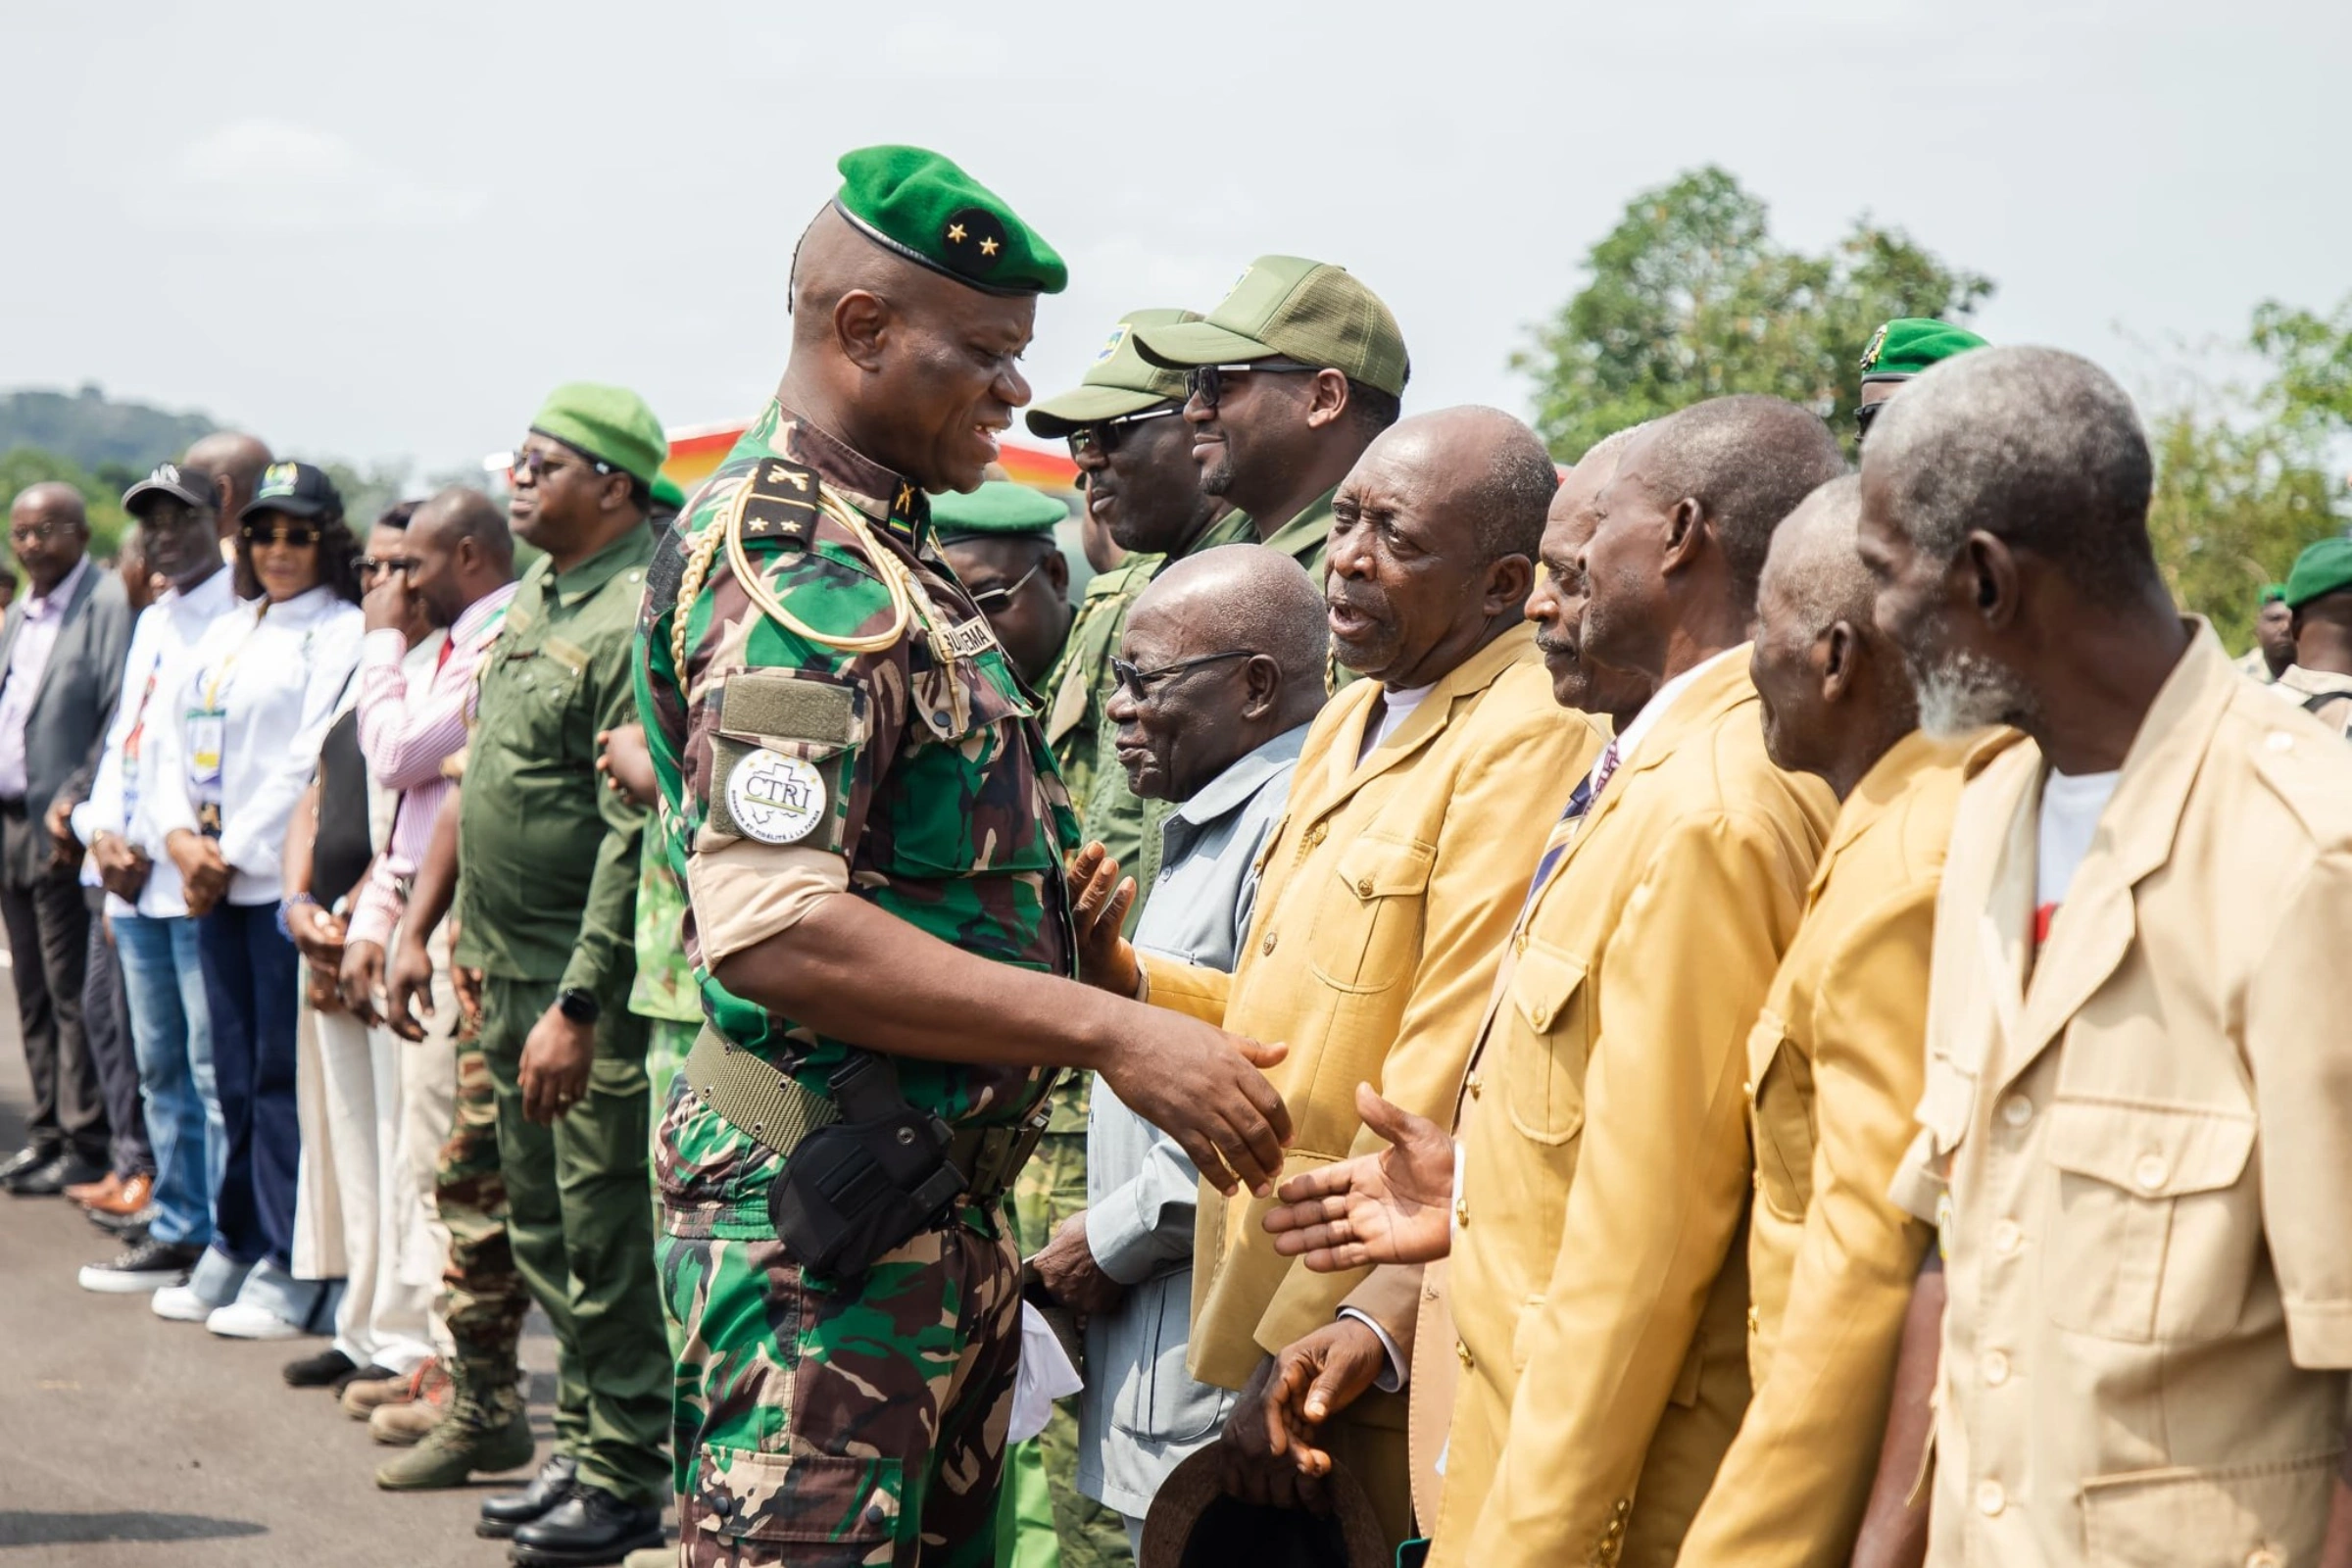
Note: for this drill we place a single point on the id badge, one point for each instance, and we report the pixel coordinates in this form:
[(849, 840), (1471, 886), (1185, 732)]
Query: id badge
[(206, 728)]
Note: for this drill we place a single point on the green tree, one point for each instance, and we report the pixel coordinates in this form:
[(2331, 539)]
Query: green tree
[(21, 467), (1689, 298), (2311, 362), (2237, 497)]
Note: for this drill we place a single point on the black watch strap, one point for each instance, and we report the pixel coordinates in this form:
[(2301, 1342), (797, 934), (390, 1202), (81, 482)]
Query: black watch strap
[(578, 1005)]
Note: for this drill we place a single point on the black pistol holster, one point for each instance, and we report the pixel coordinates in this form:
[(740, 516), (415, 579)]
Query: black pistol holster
[(862, 1187)]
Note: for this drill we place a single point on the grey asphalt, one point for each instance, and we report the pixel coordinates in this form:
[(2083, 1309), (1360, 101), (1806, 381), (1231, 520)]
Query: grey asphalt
[(128, 1441)]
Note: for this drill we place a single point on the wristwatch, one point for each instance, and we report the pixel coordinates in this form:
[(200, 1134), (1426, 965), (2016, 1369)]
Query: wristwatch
[(578, 1005)]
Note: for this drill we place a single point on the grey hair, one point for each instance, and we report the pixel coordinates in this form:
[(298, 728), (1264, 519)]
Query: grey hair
[(1748, 460), (2035, 446), (1816, 559)]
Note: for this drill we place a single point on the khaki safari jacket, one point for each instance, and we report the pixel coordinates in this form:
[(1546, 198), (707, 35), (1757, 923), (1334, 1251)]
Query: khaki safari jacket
[(2138, 1144), (1598, 1281), (1835, 1064), (1386, 893)]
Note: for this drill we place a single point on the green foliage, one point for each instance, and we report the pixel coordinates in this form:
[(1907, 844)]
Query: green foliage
[(2311, 358), (102, 436), (2237, 498), (22, 467), (1691, 298)]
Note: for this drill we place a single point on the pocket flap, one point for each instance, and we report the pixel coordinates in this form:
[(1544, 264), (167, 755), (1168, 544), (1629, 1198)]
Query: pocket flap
[(1542, 982), (815, 1498), (1763, 1044), (1381, 868), (2154, 1151)]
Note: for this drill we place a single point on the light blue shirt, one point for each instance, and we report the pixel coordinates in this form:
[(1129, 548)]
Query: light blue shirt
[(1141, 1413)]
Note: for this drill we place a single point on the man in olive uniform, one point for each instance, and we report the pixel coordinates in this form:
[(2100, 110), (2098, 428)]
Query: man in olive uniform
[(1289, 378), (546, 901), (1898, 351), (2273, 637), (860, 799)]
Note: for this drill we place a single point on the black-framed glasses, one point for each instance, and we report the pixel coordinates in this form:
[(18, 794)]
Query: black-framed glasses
[(1863, 416), (375, 567), (538, 464), (991, 600), (1207, 381), (1138, 683), (296, 535), (33, 533), (1102, 437)]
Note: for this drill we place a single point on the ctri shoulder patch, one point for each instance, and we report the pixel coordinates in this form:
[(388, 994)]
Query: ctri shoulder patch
[(779, 756)]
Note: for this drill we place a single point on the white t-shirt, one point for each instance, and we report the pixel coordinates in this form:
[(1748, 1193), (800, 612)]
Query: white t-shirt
[(2071, 805), (1395, 709)]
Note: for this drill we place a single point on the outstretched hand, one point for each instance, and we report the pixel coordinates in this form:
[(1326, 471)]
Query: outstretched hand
[(1395, 1207), (1100, 898)]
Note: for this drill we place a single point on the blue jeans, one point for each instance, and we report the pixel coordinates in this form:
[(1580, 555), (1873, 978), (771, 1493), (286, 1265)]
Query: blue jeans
[(171, 1030)]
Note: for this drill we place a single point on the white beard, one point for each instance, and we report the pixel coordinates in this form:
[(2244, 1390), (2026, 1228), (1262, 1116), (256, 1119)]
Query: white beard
[(1967, 691)]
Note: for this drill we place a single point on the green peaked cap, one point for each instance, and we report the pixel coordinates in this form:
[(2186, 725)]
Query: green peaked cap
[(1119, 382), (1909, 344), (1292, 308), (2322, 569), (998, 508), (611, 423), (922, 207)]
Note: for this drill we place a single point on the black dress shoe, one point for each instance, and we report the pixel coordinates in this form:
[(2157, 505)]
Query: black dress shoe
[(504, 1513), (63, 1171), (588, 1529), (24, 1161), (317, 1371)]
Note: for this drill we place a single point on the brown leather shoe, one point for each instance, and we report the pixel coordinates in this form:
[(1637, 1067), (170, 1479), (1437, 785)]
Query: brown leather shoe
[(129, 1198), (87, 1193), (363, 1398)]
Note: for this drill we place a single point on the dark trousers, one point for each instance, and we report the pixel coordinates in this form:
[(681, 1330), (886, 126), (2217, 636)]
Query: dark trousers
[(106, 1017), (252, 987), (48, 946)]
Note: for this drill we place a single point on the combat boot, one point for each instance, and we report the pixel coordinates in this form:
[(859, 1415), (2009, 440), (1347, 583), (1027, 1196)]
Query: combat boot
[(470, 1440)]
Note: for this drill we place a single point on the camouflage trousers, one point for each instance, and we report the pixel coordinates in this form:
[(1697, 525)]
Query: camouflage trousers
[(824, 1424), (1051, 1188), (483, 1298)]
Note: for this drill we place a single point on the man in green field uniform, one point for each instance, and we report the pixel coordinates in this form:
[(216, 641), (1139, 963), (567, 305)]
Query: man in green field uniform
[(859, 798), (547, 899)]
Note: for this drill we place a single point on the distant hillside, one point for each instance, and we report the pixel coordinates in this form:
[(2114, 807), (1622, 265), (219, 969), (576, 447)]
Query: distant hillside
[(95, 433)]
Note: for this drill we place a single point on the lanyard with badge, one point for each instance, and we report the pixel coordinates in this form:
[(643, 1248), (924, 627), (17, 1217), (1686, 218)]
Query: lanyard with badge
[(207, 726)]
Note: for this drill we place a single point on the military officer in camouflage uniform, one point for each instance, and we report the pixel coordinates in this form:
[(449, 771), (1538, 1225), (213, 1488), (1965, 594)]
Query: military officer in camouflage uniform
[(858, 797)]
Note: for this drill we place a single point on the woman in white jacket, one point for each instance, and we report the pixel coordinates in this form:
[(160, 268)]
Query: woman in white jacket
[(239, 742)]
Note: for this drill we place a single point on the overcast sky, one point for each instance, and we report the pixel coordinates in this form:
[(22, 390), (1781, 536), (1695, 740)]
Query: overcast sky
[(385, 231)]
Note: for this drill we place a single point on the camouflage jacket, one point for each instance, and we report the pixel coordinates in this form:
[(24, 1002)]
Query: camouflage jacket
[(916, 778)]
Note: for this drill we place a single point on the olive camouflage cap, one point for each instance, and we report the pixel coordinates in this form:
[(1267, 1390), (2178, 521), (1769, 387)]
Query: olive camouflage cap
[(1120, 381), (1292, 308)]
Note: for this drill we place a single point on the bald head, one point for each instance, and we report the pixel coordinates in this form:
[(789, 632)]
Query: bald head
[(461, 511), (1230, 644), (236, 460), (1747, 461), (2037, 447), (48, 531), (1814, 574), (50, 500), (462, 549), (1488, 468)]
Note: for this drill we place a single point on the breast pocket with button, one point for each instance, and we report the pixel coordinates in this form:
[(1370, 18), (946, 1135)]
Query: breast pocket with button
[(2150, 1237), (1367, 925), (1546, 1044)]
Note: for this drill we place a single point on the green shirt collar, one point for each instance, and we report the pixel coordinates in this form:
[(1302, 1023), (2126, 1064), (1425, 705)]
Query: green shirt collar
[(1303, 537), (633, 549)]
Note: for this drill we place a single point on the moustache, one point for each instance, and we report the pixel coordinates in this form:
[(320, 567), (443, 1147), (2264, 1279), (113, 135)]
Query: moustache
[(1558, 648), (1368, 605)]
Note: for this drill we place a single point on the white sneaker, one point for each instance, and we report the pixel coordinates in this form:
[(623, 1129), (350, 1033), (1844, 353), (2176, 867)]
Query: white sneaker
[(181, 1304), (242, 1320)]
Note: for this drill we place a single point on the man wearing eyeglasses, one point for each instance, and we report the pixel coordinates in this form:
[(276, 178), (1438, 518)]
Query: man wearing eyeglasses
[(60, 660), (1000, 539), (1286, 382)]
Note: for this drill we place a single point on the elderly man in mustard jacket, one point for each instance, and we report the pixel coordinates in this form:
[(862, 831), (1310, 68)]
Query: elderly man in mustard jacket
[(1836, 1058), (1598, 1283), (1390, 884), (2132, 1136)]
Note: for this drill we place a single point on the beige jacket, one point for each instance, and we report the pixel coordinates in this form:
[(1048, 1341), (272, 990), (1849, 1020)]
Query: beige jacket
[(2139, 1146), (1386, 895), (1598, 1281)]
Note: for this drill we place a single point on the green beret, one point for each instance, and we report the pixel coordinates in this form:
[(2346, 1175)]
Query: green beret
[(924, 207), (1120, 381), (1909, 344), (1000, 509), (1289, 308), (669, 493), (610, 423), (2273, 593), (2323, 570)]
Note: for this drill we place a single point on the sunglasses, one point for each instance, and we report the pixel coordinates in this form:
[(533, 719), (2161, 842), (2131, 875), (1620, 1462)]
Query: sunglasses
[(296, 535), (386, 566), (1138, 683), (1863, 417), (538, 464), (1207, 381), (989, 601), (1102, 437)]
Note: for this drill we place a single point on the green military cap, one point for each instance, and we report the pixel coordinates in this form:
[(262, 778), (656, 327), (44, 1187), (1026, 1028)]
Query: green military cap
[(608, 423), (2274, 592), (1903, 348), (667, 493), (2322, 569), (922, 207), (1120, 381), (1000, 509), (1291, 307)]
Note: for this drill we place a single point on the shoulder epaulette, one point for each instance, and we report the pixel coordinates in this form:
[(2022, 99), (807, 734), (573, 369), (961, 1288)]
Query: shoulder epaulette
[(779, 503)]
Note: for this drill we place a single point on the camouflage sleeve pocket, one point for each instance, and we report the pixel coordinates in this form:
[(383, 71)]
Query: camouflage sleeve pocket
[(812, 1498), (782, 755)]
